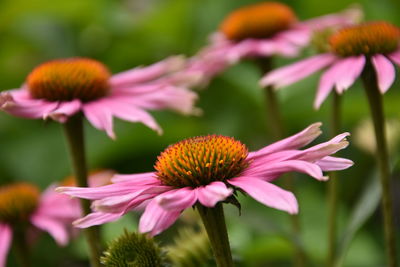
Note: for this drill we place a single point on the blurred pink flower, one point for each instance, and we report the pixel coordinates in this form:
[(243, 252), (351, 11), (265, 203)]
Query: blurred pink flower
[(21, 204), (261, 30), (61, 88), (207, 170), (376, 43)]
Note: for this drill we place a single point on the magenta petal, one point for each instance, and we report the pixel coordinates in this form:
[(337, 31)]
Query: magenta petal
[(178, 199), (351, 70), (28, 108), (395, 56), (156, 219), (96, 218), (100, 117), (144, 74), (299, 36), (295, 141), (385, 72), (297, 71), (210, 194), (5, 243), (322, 150), (65, 110), (267, 193), (139, 178), (329, 163), (275, 169), (54, 227)]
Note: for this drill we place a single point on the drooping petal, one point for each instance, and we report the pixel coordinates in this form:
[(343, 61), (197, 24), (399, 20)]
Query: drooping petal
[(5, 243), (96, 218), (299, 36), (329, 163), (297, 71), (295, 141), (210, 194), (100, 117), (267, 193), (155, 219), (270, 171), (385, 72), (346, 17), (144, 74), (395, 56), (351, 69), (54, 227), (178, 199)]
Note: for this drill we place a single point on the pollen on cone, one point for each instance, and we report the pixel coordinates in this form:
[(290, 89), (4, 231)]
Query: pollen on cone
[(68, 79), (260, 20)]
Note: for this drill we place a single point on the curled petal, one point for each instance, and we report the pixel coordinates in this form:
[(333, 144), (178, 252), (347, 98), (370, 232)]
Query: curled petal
[(65, 110), (155, 219), (178, 199), (210, 194), (267, 193)]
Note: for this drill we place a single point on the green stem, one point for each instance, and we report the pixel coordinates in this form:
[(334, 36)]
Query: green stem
[(73, 130), (376, 106), (21, 246), (333, 184), (214, 222), (276, 123)]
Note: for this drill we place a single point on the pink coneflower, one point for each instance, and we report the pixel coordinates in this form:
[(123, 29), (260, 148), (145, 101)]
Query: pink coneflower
[(261, 30), (61, 88), (351, 48), (23, 208), (207, 170)]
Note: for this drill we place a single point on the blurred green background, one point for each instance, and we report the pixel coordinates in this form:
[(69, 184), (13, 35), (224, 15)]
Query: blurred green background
[(127, 33)]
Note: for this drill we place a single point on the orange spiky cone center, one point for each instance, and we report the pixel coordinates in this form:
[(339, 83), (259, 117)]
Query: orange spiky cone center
[(260, 20), (68, 79), (17, 202), (201, 160), (366, 39)]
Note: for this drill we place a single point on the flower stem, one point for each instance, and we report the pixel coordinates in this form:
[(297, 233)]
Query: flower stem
[(376, 106), (214, 222), (276, 124), (333, 184), (21, 246), (73, 130)]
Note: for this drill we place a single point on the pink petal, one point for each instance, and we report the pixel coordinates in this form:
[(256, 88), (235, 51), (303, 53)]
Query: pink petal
[(395, 56), (5, 243), (298, 35), (144, 74), (329, 163), (178, 199), (100, 117), (385, 72), (96, 218), (298, 140), (210, 194), (117, 189), (351, 70), (267, 193), (156, 219), (275, 169), (29, 108), (275, 46), (65, 110), (347, 17), (139, 178), (54, 227), (297, 71)]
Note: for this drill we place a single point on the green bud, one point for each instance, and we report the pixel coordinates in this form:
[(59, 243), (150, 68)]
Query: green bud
[(134, 250)]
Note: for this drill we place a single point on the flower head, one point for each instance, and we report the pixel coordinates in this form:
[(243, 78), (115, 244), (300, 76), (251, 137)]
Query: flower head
[(351, 48), (22, 205), (208, 170), (61, 88), (259, 30)]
